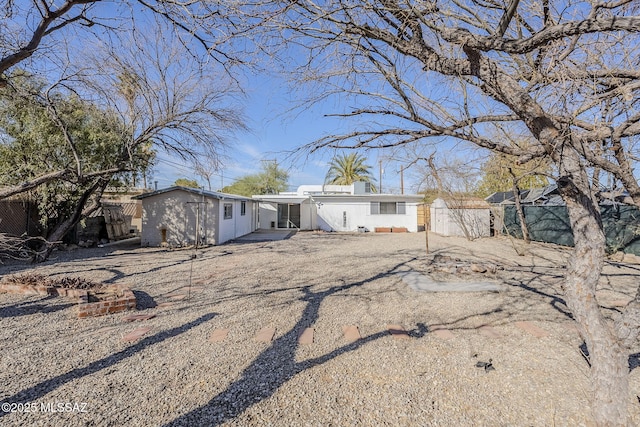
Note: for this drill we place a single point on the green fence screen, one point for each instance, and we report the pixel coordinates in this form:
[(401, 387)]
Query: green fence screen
[(551, 224)]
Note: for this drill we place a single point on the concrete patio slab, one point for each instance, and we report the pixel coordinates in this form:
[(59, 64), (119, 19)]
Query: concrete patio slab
[(265, 236)]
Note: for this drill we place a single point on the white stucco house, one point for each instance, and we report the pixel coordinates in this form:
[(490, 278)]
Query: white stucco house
[(466, 218), (178, 216), (338, 208)]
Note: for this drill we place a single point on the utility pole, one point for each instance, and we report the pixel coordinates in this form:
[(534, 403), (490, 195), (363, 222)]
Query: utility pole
[(380, 176), (401, 179)]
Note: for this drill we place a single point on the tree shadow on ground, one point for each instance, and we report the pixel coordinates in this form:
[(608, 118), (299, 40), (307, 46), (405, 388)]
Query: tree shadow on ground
[(277, 364), (41, 389), (27, 308)]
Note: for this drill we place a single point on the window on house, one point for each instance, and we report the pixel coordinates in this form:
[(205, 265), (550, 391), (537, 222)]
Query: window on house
[(243, 208), (228, 211), (388, 208)]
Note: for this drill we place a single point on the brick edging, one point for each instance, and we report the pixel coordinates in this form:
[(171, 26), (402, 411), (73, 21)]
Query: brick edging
[(125, 301)]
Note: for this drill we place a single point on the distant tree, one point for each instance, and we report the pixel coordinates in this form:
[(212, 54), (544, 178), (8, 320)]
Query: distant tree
[(152, 96), (184, 182), (349, 168), (272, 180), (500, 170), (63, 150)]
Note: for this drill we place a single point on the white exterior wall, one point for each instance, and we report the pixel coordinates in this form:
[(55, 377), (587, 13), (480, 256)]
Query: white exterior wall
[(332, 212), (238, 225), (268, 214), (447, 222), (173, 212)]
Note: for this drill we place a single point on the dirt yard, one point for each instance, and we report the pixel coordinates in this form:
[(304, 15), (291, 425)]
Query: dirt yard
[(227, 350)]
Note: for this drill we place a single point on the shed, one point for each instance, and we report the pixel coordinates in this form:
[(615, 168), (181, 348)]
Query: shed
[(178, 216), (469, 218)]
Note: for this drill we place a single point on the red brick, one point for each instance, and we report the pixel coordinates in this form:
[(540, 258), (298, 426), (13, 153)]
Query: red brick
[(382, 229)]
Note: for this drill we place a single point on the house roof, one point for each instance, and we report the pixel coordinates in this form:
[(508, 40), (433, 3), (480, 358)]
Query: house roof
[(542, 195), (504, 197), (282, 198), (464, 203), (198, 191)]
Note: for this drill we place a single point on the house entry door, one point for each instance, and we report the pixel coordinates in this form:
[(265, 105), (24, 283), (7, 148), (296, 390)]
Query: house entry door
[(288, 215)]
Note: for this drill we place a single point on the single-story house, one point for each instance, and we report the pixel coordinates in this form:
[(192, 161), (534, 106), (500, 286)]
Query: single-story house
[(469, 218), (180, 216), (338, 208)]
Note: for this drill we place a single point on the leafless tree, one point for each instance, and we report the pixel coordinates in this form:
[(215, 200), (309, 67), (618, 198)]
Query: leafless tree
[(35, 31), (162, 98), (565, 72)]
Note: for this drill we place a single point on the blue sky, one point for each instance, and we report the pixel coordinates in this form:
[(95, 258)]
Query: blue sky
[(274, 132)]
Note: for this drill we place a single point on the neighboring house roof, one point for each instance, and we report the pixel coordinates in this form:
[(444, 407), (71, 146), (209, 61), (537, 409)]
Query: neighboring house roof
[(543, 196), (198, 191), (504, 197)]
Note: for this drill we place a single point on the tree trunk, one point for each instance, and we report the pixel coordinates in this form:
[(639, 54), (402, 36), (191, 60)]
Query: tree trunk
[(608, 358), (520, 211), (61, 229)]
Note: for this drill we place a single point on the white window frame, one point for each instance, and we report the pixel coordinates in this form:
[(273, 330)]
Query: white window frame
[(227, 210), (399, 208)]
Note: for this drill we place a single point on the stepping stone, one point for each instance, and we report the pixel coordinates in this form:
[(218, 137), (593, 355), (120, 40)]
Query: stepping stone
[(532, 329), (138, 317), (620, 303), (442, 332), (306, 337), (489, 331), (351, 333), (265, 335), (218, 335), (398, 331), (136, 334)]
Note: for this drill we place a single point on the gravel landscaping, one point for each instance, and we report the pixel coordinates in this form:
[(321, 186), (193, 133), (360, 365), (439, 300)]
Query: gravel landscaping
[(81, 372)]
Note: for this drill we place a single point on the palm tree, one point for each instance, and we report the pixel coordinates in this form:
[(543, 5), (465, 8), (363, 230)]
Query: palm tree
[(347, 169)]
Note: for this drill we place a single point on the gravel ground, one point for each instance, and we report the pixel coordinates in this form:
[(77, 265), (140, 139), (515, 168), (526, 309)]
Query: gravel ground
[(175, 376)]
